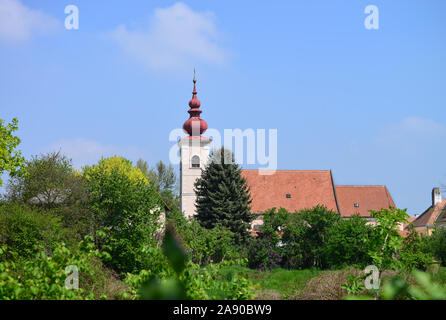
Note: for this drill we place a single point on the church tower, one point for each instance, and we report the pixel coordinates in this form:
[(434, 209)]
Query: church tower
[(194, 154)]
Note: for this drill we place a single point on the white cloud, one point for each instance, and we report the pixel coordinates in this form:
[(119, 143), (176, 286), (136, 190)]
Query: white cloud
[(86, 152), (412, 135), (415, 125), (177, 36), (18, 22)]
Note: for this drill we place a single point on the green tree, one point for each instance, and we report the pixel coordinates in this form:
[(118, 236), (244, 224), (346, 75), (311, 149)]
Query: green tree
[(11, 159), (223, 196), (48, 180), (436, 244), (348, 242), (305, 235), (413, 254), (387, 240), (126, 210), (165, 181)]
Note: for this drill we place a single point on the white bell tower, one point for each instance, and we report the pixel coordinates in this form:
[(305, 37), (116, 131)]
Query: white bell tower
[(194, 154)]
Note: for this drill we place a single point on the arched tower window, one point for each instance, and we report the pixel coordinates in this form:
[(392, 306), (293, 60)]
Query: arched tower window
[(195, 162)]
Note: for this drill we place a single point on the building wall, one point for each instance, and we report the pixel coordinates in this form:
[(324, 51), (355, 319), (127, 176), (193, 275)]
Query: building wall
[(188, 174)]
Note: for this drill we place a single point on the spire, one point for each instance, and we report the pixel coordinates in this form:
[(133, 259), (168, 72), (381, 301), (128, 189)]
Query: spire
[(194, 120)]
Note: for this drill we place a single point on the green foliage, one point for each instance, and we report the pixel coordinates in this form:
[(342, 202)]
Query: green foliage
[(11, 159), (423, 289), (48, 180), (44, 276), (436, 244), (354, 284), (348, 243), (210, 283), (126, 211), (263, 253), (223, 196), (387, 241), (413, 254), (188, 280), (204, 246), (305, 236), (29, 230), (278, 283), (164, 180)]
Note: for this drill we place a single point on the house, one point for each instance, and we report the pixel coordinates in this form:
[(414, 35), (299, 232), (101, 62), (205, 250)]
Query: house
[(295, 190), (434, 216)]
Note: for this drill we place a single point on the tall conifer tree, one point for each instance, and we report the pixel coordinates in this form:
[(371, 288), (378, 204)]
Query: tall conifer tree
[(223, 196)]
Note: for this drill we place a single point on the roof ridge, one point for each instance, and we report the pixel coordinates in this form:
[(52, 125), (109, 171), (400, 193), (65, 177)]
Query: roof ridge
[(362, 185)]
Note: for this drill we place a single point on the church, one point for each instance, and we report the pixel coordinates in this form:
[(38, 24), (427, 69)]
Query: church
[(289, 189)]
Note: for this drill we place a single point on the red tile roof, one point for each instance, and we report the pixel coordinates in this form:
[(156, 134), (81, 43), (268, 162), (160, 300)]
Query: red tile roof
[(367, 198), (307, 188), (409, 221), (429, 216)]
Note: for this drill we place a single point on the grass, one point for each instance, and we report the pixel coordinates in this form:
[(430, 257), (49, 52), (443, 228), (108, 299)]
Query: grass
[(277, 283)]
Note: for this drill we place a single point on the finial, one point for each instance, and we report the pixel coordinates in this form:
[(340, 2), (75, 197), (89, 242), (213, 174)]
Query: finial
[(195, 80)]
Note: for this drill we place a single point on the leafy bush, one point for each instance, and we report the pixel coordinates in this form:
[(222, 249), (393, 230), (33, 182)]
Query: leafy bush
[(186, 280), (348, 243), (43, 277), (263, 254), (29, 230), (423, 289), (301, 235), (126, 212), (436, 245), (204, 246), (413, 254), (50, 182)]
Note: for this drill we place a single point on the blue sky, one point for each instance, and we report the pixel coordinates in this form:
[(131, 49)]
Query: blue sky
[(368, 104)]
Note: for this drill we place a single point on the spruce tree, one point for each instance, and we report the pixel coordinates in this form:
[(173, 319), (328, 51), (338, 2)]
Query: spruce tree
[(223, 196)]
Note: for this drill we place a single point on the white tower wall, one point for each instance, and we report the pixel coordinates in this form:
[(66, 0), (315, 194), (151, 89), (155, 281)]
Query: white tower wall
[(198, 146)]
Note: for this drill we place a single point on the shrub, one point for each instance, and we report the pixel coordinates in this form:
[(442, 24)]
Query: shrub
[(30, 230), (424, 288), (204, 246), (436, 245), (297, 237), (412, 254), (348, 243), (263, 254), (43, 277), (183, 279)]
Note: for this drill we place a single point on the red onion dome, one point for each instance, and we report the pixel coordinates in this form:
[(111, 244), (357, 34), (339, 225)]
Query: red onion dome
[(195, 125)]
